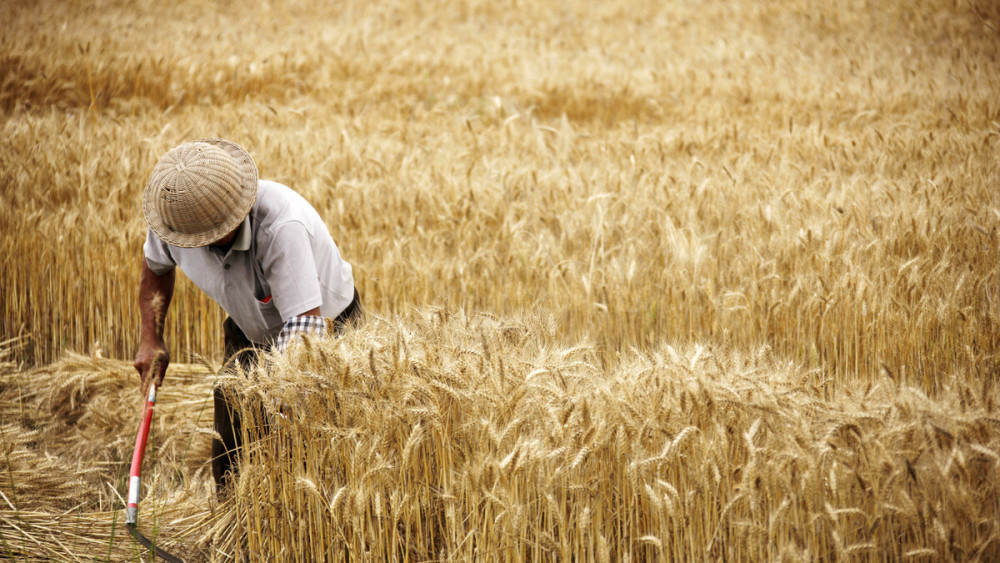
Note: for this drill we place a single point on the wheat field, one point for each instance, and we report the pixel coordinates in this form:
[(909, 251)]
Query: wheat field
[(643, 280)]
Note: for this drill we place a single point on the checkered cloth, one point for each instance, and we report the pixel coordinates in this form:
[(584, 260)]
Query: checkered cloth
[(301, 324)]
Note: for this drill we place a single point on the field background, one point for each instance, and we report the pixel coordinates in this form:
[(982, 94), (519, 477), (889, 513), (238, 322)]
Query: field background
[(770, 227)]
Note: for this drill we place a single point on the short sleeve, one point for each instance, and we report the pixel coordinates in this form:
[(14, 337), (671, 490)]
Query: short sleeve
[(157, 254), (290, 270)]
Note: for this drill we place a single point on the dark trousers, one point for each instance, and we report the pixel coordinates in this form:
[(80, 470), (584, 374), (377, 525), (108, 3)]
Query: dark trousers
[(241, 352)]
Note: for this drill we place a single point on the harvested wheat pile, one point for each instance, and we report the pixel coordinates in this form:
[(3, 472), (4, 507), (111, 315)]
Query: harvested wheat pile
[(67, 438)]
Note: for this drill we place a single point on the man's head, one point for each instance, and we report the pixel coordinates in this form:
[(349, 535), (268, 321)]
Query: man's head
[(200, 192)]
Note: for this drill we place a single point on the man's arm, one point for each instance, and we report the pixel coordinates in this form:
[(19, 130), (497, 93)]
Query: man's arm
[(155, 293), (310, 322)]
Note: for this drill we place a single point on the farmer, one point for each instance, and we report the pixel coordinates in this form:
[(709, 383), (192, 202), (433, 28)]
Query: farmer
[(254, 246)]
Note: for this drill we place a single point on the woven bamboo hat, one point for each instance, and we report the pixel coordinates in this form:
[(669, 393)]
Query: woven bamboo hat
[(200, 192)]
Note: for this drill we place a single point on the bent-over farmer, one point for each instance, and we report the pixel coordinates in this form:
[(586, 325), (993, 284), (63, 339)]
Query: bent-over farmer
[(254, 246)]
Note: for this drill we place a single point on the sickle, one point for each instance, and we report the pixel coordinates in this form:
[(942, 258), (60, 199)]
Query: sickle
[(132, 508)]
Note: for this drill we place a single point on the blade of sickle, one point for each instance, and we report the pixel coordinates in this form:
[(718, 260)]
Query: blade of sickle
[(132, 508)]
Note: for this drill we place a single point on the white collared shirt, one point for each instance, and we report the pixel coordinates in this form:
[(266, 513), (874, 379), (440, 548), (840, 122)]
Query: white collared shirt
[(243, 236), (282, 263)]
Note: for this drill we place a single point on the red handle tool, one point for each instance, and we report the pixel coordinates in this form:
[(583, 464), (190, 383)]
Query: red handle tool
[(132, 507)]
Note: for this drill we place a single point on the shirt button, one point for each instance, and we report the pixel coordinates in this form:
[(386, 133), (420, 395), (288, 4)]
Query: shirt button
[(226, 266)]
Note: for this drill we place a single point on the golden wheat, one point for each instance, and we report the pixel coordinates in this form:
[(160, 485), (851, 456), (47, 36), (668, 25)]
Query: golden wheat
[(385, 450), (729, 268)]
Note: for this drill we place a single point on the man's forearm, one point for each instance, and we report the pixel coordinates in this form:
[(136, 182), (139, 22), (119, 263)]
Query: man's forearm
[(155, 293)]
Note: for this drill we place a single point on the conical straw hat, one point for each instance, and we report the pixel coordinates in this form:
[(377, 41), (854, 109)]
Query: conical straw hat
[(199, 192)]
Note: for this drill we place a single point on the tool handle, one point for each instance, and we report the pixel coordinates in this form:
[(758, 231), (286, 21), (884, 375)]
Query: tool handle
[(132, 508)]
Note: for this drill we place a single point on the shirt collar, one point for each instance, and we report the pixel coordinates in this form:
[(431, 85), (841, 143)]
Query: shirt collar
[(242, 240)]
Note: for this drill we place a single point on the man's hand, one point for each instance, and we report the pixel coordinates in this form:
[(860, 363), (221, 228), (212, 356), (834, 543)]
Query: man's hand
[(151, 362)]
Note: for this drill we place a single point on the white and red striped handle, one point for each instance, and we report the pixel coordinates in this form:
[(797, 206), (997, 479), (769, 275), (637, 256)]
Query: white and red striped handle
[(132, 508)]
